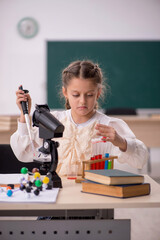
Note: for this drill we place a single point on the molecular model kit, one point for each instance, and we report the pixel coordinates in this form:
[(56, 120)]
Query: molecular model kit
[(26, 185)]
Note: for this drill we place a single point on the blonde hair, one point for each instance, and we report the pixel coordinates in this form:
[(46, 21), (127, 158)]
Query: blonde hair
[(85, 70)]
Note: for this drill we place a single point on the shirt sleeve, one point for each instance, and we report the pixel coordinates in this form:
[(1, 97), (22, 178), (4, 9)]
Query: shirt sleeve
[(21, 144), (20, 140), (136, 154)]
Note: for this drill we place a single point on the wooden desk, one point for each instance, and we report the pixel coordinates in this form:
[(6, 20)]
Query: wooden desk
[(146, 129), (71, 198)]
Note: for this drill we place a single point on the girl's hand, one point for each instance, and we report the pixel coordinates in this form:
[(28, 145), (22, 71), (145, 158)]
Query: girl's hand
[(21, 96), (112, 136)]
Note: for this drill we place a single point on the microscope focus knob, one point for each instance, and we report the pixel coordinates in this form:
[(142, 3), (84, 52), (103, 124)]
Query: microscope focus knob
[(46, 145)]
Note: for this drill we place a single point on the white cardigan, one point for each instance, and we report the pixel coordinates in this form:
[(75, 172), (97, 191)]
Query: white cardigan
[(75, 145)]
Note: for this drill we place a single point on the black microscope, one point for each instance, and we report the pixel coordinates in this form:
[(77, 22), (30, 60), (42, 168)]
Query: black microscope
[(49, 127)]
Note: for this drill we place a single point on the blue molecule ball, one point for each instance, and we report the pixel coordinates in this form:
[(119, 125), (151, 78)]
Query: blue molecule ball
[(9, 193)]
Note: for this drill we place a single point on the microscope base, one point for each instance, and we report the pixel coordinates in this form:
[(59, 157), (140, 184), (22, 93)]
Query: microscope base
[(55, 180)]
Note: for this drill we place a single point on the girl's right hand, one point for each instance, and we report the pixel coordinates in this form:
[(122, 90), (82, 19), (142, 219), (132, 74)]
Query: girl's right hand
[(21, 96)]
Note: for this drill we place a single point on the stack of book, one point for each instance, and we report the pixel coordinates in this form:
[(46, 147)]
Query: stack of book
[(115, 183)]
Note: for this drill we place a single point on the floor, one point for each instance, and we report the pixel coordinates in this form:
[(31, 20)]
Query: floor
[(145, 223)]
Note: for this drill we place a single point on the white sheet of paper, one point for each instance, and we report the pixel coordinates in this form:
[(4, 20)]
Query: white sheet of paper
[(13, 178), (46, 196)]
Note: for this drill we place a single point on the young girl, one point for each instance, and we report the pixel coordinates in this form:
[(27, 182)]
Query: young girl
[(82, 86)]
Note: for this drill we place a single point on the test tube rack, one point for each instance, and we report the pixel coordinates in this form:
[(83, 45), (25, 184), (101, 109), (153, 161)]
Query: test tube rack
[(86, 165)]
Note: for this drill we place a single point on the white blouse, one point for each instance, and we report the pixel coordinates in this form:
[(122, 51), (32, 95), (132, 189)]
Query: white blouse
[(75, 145)]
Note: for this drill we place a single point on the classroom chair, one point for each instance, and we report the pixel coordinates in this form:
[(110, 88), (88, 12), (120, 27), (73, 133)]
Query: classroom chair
[(10, 164)]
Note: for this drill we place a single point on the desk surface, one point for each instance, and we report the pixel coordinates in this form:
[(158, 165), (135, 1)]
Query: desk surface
[(71, 197)]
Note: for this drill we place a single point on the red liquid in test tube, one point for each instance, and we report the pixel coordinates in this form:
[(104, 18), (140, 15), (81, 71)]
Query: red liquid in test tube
[(101, 155), (97, 152), (92, 153)]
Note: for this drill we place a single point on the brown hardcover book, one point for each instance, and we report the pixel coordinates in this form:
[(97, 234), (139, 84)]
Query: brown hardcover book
[(119, 191), (113, 177)]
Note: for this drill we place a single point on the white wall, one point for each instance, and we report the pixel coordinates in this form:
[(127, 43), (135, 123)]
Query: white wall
[(23, 61)]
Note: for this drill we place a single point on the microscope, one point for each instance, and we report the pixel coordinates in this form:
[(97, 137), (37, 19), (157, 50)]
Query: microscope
[(49, 127)]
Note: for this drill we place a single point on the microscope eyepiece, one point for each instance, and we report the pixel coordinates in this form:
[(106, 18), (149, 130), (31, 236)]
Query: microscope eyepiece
[(49, 126)]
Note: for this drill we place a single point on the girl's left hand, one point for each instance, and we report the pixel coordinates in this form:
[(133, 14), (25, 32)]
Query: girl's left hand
[(110, 134)]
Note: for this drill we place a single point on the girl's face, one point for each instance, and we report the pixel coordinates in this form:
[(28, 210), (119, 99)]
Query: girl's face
[(82, 95)]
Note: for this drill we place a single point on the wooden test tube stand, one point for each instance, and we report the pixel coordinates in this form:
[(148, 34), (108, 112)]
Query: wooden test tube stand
[(89, 162)]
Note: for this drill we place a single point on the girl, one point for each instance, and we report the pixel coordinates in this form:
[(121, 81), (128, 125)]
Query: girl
[(82, 86)]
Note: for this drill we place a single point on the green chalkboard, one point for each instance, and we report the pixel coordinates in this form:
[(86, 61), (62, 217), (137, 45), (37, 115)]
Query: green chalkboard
[(132, 70)]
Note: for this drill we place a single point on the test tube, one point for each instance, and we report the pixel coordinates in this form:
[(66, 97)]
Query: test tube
[(92, 153), (101, 153), (97, 152), (110, 162), (106, 162), (100, 148), (104, 154)]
